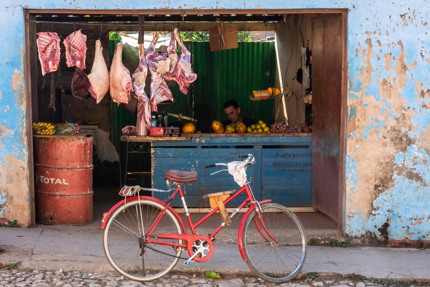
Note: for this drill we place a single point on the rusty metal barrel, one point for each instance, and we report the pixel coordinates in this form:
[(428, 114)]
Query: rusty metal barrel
[(64, 179)]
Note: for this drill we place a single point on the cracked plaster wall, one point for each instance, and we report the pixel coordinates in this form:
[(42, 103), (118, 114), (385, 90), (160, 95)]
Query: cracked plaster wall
[(387, 166), (387, 127)]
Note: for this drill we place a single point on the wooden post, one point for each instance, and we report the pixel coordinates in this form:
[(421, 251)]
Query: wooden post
[(140, 38)]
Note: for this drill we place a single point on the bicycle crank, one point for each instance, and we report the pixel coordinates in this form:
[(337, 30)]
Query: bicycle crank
[(199, 247)]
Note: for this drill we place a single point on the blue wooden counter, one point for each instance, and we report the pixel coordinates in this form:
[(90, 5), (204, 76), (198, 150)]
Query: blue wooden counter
[(283, 169)]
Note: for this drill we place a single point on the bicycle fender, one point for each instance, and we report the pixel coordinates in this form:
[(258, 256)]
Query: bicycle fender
[(242, 225), (134, 198)]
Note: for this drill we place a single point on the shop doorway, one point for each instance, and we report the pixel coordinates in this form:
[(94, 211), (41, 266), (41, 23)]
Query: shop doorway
[(328, 40)]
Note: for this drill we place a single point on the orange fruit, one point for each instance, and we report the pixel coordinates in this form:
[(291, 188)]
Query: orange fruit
[(189, 128)]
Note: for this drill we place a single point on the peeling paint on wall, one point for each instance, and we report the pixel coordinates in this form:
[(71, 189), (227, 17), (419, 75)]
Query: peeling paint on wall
[(387, 146), (14, 190)]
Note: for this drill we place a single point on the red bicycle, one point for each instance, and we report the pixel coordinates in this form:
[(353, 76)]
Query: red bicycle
[(144, 237)]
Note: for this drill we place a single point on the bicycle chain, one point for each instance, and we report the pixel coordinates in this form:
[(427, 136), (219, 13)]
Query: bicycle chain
[(162, 252)]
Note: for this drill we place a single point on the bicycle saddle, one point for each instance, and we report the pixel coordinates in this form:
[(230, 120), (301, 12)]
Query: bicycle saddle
[(180, 176)]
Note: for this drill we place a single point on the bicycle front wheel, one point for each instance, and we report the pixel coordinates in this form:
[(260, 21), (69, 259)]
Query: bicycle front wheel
[(125, 245), (275, 243)]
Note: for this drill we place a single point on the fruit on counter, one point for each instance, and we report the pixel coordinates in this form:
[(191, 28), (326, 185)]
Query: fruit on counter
[(231, 128), (189, 128), (68, 128), (240, 128), (282, 127), (259, 127), (43, 128), (217, 126)]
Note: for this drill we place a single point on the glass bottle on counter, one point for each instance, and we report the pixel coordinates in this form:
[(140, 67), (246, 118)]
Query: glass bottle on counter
[(160, 121), (153, 121)]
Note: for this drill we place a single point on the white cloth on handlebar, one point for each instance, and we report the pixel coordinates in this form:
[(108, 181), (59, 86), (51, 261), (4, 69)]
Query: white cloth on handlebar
[(238, 170)]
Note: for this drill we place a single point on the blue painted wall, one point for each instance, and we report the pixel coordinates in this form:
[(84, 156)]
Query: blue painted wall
[(387, 129)]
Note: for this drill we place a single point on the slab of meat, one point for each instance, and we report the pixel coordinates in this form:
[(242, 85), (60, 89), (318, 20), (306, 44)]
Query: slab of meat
[(80, 84), (173, 56), (99, 76), (143, 107), (76, 49), (157, 61), (160, 92), (120, 85), (48, 47), (183, 73)]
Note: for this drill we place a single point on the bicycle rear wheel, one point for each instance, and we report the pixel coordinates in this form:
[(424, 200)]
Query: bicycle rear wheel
[(125, 245), (274, 261)]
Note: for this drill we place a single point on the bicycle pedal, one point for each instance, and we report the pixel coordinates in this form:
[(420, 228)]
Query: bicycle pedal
[(188, 262)]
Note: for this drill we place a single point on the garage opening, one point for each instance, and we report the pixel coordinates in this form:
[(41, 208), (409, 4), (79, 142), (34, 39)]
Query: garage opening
[(306, 57)]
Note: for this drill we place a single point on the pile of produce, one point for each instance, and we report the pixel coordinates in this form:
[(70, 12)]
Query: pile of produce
[(259, 127), (43, 128), (68, 129), (282, 127), (235, 128)]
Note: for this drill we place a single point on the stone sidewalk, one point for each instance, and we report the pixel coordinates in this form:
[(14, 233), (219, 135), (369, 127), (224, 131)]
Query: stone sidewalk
[(79, 248)]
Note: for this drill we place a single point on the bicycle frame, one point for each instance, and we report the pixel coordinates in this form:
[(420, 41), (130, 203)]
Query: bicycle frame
[(144, 237), (192, 226), (191, 237)]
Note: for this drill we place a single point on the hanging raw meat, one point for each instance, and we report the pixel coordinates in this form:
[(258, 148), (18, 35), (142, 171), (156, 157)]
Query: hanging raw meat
[(120, 85), (183, 73), (80, 84), (48, 47), (99, 76), (157, 61), (158, 64), (143, 106), (76, 49), (173, 56)]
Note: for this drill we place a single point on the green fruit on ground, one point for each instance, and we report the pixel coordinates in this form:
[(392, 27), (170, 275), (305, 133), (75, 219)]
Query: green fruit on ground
[(212, 274)]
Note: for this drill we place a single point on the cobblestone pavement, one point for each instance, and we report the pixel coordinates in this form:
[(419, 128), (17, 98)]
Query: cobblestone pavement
[(37, 278)]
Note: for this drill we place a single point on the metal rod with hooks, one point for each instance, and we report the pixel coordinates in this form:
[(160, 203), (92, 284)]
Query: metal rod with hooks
[(158, 25)]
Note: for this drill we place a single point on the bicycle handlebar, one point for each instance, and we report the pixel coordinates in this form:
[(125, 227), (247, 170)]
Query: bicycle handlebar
[(248, 159), (209, 165)]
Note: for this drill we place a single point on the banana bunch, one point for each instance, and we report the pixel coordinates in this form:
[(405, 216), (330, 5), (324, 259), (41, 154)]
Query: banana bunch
[(43, 128)]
